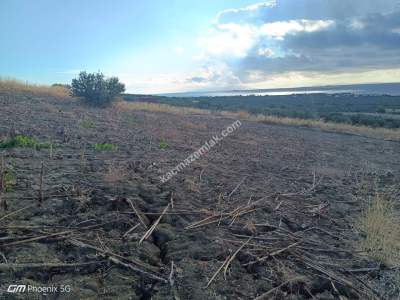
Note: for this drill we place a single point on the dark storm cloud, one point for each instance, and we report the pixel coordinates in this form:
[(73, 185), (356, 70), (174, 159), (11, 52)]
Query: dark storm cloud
[(363, 35), (377, 30), (282, 10)]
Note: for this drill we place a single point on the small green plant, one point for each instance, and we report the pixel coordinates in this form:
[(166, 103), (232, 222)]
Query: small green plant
[(163, 144), (23, 142), (104, 147), (88, 123), (8, 180)]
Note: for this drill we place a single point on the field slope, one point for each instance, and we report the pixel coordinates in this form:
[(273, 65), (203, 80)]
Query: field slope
[(271, 212)]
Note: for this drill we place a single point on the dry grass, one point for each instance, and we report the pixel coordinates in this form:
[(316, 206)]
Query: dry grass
[(115, 175), (384, 133), (381, 225), (15, 86), (123, 106)]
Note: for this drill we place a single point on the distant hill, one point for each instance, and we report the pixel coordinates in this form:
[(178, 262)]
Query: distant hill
[(362, 89)]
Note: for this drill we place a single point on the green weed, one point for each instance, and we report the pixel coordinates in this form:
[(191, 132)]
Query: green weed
[(23, 142), (88, 123), (163, 144), (8, 181), (104, 147)]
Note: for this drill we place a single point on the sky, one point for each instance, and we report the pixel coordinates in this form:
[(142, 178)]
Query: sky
[(161, 46)]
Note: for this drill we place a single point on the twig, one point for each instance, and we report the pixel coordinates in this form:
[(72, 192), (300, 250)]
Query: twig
[(14, 212), (142, 218), (41, 185), (171, 274), (226, 263), (150, 231), (117, 259), (51, 151), (129, 266), (172, 200), (235, 189), (130, 230), (265, 295), (46, 265), (38, 238), (272, 254), (2, 175), (216, 273), (234, 255)]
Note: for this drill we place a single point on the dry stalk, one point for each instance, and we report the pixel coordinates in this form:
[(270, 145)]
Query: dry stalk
[(130, 230), (119, 260), (171, 274), (150, 231), (15, 212), (51, 151), (267, 294), (226, 263), (41, 197), (142, 218), (236, 188), (2, 174)]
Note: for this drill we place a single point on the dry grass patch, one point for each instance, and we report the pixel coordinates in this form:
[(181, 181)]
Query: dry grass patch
[(15, 86), (384, 133), (123, 106), (380, 224), (115, 175)]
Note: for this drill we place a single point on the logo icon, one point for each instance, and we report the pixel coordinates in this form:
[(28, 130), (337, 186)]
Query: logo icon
[(14, 288)]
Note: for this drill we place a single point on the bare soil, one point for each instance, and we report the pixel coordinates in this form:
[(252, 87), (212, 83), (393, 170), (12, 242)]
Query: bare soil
[(278, 206)]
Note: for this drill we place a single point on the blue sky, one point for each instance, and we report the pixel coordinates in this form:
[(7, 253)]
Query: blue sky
[(180, 45)]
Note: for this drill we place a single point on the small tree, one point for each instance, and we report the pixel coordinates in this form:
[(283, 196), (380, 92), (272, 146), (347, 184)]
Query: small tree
[(96, 89)]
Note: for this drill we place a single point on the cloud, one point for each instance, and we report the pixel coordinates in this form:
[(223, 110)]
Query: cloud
[(217, 74), (265, 52), (228, 39), (283, 10), (282, 36)]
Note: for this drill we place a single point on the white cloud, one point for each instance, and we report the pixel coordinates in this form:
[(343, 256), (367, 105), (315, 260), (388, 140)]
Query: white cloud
[(278, 30), (247, 9), (228, 39), (265, 52)]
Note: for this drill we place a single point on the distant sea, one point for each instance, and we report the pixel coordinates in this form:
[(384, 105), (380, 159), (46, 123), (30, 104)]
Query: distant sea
[(392, 89)]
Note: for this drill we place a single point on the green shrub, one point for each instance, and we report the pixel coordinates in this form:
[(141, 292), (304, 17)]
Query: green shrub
[(96, 89), (88, 123), (23, 142), (8, 181), (163, 144), (104, 147)]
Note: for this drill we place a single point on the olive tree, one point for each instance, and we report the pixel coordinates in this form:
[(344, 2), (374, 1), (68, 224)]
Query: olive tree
[(96, 89)]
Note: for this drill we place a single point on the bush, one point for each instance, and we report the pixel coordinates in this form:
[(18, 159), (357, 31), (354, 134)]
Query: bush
[(23, 142), (96, 89)]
